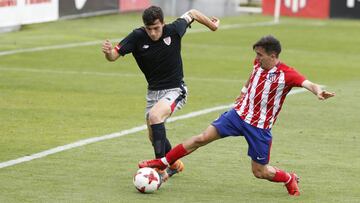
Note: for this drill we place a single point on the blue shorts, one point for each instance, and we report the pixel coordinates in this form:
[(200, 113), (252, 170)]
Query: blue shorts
[(259, 140)]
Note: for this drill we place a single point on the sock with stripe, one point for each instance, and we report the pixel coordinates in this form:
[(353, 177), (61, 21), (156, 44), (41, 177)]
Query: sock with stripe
[(281, 176), (176, 153)]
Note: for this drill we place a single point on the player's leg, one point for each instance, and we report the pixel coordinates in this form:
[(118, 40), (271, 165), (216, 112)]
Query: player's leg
[(156, 120), (264, 171), (157, 132), (177, 99), (167, 146), (181, 150), (167, 142), (157, 116), (224, 126), (274, 174), (259, 141), (193, 143), (152, 99), (156, 113), (166, 102)]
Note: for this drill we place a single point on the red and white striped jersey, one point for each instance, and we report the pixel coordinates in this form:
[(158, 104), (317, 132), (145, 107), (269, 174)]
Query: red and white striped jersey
[(266, 93)]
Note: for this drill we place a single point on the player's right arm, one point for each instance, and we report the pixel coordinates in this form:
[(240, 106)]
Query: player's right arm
[(212, 23), (110, 53)]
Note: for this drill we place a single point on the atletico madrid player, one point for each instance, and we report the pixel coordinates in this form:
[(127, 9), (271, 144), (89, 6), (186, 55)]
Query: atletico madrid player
[(254, 114)]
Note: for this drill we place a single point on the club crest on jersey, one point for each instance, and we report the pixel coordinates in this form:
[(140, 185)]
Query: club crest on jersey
[(272, 77), (167, 40)]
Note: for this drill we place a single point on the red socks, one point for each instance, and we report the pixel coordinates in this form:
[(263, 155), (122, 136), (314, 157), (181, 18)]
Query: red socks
[(281, 176), (176, 153)]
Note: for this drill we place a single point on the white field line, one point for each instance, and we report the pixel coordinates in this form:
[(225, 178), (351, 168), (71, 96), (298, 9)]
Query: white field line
[(109, 74), (45, 48), (66, 72), (81, 44), (115, 135)]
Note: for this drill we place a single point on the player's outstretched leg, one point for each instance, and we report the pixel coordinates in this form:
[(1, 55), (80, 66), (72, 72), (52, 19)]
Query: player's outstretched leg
[(274, 174)]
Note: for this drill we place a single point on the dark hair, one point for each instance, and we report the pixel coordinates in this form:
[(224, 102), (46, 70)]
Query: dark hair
[(270, 44), (151, 14)]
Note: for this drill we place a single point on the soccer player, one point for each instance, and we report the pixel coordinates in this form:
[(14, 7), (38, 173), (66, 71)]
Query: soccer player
[(253, 115), (156, 48)]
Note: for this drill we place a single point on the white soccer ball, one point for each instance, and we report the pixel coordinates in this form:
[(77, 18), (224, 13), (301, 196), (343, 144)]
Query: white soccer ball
[(147, 180)]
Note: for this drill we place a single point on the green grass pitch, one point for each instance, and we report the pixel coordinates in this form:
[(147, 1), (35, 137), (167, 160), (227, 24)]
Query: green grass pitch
[(58, 96)]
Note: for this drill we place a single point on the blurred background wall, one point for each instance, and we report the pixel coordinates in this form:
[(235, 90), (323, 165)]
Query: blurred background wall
[(14, 13), (209, 7)]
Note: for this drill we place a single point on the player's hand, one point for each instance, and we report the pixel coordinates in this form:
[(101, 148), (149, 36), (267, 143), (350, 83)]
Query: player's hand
[(107, 47), (325, 95), (216, 22)]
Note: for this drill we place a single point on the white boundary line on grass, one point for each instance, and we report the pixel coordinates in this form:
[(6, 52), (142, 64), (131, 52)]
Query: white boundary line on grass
[(69, 72), (81, 44), (115, 135)]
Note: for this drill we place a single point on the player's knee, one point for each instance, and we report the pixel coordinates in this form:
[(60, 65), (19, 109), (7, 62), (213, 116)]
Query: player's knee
[(154, 118)]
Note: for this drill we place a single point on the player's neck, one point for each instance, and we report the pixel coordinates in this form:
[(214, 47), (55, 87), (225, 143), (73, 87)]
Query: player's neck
[(271, 65)]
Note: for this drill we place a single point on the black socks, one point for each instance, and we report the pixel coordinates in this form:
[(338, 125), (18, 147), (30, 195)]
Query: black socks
[(160, 143)]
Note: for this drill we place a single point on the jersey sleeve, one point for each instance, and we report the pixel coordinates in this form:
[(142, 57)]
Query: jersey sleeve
[(179, 26), (127, 45), (294, 78)]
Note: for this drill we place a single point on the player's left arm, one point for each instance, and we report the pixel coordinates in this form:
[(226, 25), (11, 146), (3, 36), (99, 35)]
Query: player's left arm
[(212, 23), (317, 90)]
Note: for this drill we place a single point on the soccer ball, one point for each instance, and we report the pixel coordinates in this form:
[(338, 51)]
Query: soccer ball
[(147, 180)]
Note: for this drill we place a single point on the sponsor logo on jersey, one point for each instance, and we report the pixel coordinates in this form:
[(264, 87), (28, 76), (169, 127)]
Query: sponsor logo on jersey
[(145, 46), (167, 40)]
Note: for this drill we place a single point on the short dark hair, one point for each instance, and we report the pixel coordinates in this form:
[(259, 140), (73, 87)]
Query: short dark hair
[(151, 14), (270, 44)]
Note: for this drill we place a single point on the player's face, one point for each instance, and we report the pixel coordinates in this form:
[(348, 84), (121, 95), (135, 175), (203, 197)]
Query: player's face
[(267, 61), (155, 31)]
